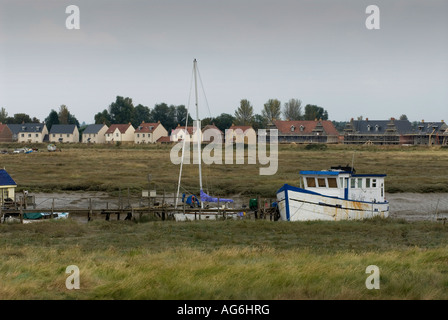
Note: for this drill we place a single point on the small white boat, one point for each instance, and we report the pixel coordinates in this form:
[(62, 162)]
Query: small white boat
[(335, 194), (30, 217)]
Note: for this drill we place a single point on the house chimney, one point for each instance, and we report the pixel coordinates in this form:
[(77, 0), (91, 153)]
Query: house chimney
[(423, 120), (367, 119)]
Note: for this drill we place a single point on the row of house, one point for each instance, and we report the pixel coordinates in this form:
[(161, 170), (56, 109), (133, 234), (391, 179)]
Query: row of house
[(378, 132)]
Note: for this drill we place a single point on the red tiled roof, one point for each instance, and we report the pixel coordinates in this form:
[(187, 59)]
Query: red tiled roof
[(211, 126), (121, 127), (3, 127), (148, 127), (164, 139), (244, 128), (308, 127), (189, 129)]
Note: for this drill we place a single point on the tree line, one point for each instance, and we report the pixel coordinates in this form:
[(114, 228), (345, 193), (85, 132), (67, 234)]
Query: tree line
[(123, 110)]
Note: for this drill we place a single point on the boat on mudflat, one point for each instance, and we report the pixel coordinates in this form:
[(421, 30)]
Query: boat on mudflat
[(335, 194)]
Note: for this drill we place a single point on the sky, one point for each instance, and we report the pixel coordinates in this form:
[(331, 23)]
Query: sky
[(319, 52)]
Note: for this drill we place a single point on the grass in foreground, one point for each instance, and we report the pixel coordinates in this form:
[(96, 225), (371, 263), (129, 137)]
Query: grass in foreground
[(248, 259)]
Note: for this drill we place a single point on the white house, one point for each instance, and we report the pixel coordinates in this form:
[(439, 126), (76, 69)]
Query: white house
[(149, 132), (95, 133), (64, 133), (241, 134), (181, 133), (32, 132), (120, 133)]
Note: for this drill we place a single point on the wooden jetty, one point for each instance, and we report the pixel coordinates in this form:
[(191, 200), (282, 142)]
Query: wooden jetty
[(157, 210)]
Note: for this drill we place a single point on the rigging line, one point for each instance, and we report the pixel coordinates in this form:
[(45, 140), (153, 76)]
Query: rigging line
[(183, 142), (203, 91)]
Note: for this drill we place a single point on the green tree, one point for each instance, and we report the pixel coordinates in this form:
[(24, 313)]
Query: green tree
[(313, 112), (181, 114), (403, 117), (53, 118), (259, 122), (21, 118), (165, 114), (3, 115), (293, 110), (103, 117), (141, 114), (271, 110), (63, 114), (244, 115), (224, 121), (121, 111)]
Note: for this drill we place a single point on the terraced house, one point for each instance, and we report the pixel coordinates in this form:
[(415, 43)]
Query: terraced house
[(378, 132), (64, 133), (95, 133), (29, 132), (306, 131)]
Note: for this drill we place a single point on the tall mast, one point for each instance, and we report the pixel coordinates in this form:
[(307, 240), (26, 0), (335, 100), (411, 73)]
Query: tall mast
[(198, 125)]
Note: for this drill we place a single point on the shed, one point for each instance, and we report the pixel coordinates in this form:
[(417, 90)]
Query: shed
[(7, 186)]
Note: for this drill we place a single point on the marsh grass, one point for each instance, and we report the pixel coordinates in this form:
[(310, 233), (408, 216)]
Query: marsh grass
[(108, 168), (246, 259)]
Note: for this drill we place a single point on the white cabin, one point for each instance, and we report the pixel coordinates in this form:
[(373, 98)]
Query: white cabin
[(345, 185)]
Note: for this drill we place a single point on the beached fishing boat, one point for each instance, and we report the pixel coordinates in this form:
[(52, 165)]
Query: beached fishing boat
[(335, 194)]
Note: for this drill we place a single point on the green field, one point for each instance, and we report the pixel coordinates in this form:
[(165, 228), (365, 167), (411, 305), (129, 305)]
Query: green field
[(244, 259), (109, 168)]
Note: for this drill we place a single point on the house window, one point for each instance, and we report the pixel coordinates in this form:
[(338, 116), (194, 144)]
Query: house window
[(311, 182), (138, 135), (37, 135), (23, 135), (368, 127), (116, 134), (68, 135), (143, 135), (292, 128), (321, 182), (29, 135), (60, 135), (332, 183), (301, 128), (54, 135)]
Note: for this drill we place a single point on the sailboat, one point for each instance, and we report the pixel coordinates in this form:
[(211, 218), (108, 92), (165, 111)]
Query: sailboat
[(209, 213)]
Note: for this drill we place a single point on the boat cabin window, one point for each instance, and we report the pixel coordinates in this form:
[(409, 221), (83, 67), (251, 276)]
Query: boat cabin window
[(368, 183), (332, 183), (341, 182), (311, 182), (359, 183), (352, 182), (373, 183), (321, 182)]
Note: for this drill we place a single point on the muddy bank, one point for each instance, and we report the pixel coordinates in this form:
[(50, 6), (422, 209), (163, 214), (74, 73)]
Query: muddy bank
[(409, 206)]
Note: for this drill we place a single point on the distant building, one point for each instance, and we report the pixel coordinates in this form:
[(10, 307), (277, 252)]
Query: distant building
[(429, 133), (149, 132), (64, 133), (5, 133), (212, 131), (378, 132), (7, 186), (120, 133), (241, 134), (181, 133), (29, 132), (95, 133), (306, 131)]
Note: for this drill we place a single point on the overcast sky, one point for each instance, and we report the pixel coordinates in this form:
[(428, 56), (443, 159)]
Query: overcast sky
[(317, 51)]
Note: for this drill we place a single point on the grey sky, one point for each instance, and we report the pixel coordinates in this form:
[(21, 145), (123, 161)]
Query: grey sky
[(317, 51)]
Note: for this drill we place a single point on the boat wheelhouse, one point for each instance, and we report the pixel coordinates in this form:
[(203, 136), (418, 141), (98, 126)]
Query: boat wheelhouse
[(335, 194)]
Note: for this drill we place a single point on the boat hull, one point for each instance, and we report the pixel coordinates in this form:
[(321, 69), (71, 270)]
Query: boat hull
[(297, 204)]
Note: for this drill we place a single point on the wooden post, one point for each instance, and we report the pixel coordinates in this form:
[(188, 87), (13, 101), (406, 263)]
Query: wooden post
[(163, 206), (21, 211), (52, 209)]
